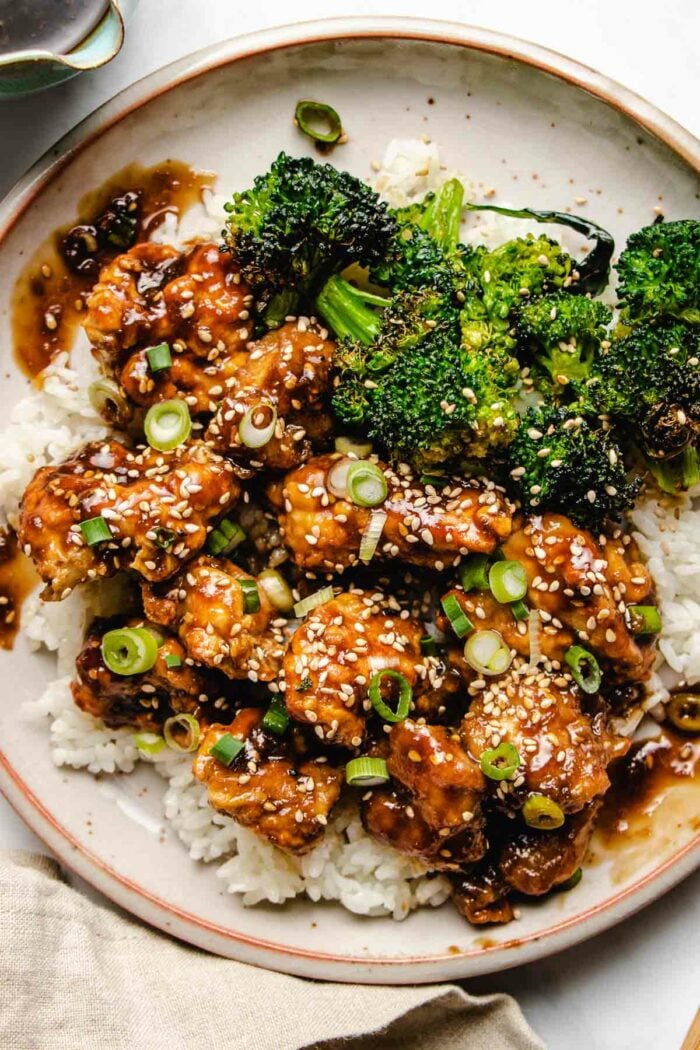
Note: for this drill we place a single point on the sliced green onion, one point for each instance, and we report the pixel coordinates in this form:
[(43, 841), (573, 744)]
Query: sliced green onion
[(683, 712), (258, 425), (428, 645), (187, 723), (149, 743), (460, 622), (542, 812), (251, 596), (337, 477), (108, 400), (585, 669), (474, 573), (129, 650), (277, 589), (366, 484), (372, 535), (366, 772), (276, 718), (95, 530), (500, 763), (225, 537), (534, 634), (572, 881), (307, 115), (167, 425), (487, 653), (508, 581), (159, 357), (405, 695), (353, 447), (312, 601), (164, 537), (644, 619), (519, 610), (172, 660), (226, 748)]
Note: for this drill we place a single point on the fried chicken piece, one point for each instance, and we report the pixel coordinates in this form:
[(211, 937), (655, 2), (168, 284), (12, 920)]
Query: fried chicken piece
[(336, 651), (206, 606), (481, 896), (269, 787), (195, 301), (157, 505), (534, 862), (564, 752), (143, 701), (287, 371), (424, 525)]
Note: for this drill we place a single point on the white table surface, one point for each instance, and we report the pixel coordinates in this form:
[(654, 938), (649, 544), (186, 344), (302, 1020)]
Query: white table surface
[(636, 986)]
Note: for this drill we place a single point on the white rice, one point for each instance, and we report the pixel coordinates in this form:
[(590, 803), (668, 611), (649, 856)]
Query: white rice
[(348, 865)]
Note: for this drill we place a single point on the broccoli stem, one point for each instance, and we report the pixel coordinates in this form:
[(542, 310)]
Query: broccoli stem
[(348, 311), (677, 474), (281, 305), (443, 215), (594, 271)]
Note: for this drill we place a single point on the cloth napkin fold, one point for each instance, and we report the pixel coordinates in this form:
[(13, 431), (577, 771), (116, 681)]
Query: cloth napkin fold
[(75, 975)]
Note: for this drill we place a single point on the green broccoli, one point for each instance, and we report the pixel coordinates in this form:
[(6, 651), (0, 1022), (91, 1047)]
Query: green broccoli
[(565, 462), (298, 224), (561, 335), (659, 272), (649, 380), (406, 380)]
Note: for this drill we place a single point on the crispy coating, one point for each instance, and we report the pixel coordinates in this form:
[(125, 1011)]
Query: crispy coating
[(139, 493), (143, 701), (564, 751), (424, 525), (194, 300), (284, 796), (205, 605), (336, 651), (534, 862), (480, 895), (287, 370), (581, 590)]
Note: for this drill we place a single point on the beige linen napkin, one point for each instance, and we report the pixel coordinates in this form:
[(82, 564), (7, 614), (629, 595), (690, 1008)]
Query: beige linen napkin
[(76, 976)]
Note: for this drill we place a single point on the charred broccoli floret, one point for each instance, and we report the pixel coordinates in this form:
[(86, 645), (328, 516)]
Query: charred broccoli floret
[(566, 462), (561, 336), (650, 381), (298, 224), (406, 380), (659, 272)]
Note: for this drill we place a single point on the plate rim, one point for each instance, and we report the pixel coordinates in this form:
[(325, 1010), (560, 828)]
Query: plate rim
[(76, 856)]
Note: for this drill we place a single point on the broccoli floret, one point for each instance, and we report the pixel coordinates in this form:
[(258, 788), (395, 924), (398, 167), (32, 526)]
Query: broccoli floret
[(561, 336), (650, 380), (299, 223), (406, 381), (659, 272), (565, 462)]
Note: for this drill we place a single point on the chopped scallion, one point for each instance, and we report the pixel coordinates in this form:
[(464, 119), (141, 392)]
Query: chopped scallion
[(366, 772), (644, 619), (378, 703), (312, 601), (585, 669), (366, 484), (460, 622), (167, 424), (226, 748), (276, 718), (172, 660), (508, 581), (159, 357), (225, 537), (474, 573), (309, 113), (129, 650), (251, 596), (182, 732), (95, 530)]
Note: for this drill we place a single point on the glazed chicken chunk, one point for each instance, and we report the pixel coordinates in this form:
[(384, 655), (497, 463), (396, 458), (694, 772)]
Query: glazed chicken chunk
[(271, 786), (222, 617), (424, 525), (564, 752), (433, 807), (143, 701), (582, 591), (281, 390), (195, 301), (158, 507), (334, 654)]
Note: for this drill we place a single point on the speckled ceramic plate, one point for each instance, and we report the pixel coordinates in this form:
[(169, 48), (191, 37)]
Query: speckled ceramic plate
[(543, 131)]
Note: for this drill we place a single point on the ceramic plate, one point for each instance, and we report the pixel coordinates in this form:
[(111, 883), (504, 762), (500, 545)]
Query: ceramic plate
[(542, 131)]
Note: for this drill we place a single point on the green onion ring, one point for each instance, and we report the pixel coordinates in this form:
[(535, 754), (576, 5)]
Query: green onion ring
[(276, 718), (129, 650), (585, 669), (257, 427), (225, 537), (487, 653), (542, 812), (95, 530), (372, 535), (519, 610), (405, 695), (459, 621), (191, 726), (312, 601), (277, 589), (173, 660), (309, 110), (508, 581), (251, 596), (149, 743), (226, 748), (337, 477), (366, 772), (366, 484), (108, 401), (644, 619), (167, 425), (683, 712), (500, 763), (159, 357)]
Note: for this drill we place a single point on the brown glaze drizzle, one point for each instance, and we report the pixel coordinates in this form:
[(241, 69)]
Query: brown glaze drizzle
[(49, 297), (17, 579)]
